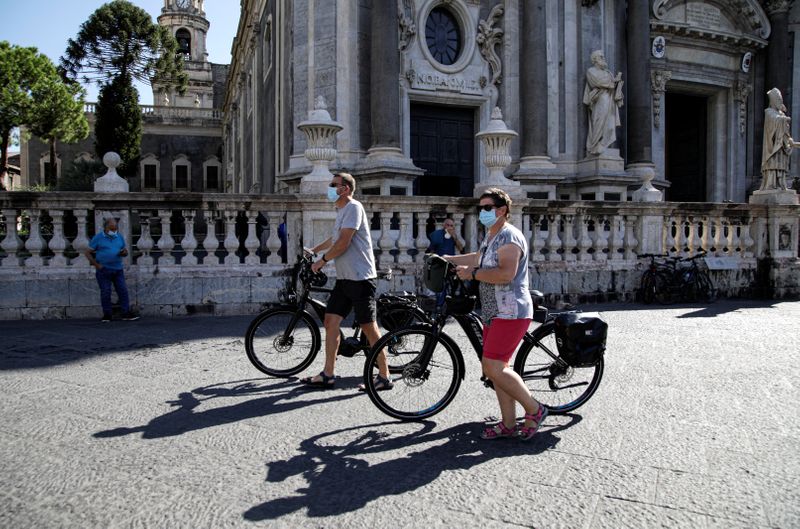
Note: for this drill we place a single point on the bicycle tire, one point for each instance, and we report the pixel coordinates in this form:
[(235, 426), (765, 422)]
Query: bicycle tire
[(264, 347), (409, 400), (663, 283), (548, 381), (705, 288), (408, 317), (648, 287)]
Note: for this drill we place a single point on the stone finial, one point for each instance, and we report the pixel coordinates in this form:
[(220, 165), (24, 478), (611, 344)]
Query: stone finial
[(320, 104), (111, 182)]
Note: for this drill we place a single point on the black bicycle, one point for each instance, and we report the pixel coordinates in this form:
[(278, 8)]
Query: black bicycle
[(434, 364), (284, 339), (676, 278)]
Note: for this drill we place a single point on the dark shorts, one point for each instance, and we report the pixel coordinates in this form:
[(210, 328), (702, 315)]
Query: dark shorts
[(350, 295)]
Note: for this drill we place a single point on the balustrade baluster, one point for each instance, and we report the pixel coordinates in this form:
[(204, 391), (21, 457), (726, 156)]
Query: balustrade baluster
[(600, 244), (553, 240), (421, 243), (386, 243), (80, 243), (145, 242), (728, 231), (584, 241), (458, 219), (702, 225), (736, 242), (719, 232), (747, 240), (58, 243), (274, 240), (569, 240), (406, 241), (693, 239), (537, 243), (630, 242), (165, 243), (210, 242), (11, 243), (251, 242), (35, 244), (231, 243), (188, 243), (470, 233), (616, 241), (680, 237), (670, 245)]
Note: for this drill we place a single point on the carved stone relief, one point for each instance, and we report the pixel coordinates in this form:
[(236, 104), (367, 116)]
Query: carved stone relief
[(741, 89), (774, 7), (405, 18), (658, 84), (488, 38)]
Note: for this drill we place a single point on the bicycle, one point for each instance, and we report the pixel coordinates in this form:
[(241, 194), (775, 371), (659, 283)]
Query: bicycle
[(693, 283), (284, 339), (657, 277), (434, 364), (667, 282)]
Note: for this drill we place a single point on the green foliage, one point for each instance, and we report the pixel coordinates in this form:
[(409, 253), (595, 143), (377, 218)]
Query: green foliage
[(20, 69), (57, 111), (118, 123), (80, 176), (121, 40)]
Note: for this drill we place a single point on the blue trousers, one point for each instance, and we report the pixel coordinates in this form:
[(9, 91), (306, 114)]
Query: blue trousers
[(107, 277)]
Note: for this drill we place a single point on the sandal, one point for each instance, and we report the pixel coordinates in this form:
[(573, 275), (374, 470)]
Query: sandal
[(527, 432), (325, 381), (498, 431), (379, 383)]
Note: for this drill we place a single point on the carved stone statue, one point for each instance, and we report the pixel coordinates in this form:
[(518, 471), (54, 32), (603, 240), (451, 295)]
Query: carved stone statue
[(603, 96), (778, 143)]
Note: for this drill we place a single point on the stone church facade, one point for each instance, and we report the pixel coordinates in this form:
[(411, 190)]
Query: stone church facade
[(182, 134), (412, 82)]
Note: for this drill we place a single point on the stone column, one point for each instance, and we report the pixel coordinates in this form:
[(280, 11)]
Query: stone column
[(639, 137), (535, 164), (385, 71), (778, 71)]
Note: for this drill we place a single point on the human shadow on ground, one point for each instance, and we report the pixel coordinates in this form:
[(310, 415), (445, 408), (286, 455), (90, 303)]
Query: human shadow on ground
[(273, 399), (339, 481)]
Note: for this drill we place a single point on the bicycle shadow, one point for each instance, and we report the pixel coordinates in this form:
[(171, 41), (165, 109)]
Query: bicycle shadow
[(339, 481), (185, 419)]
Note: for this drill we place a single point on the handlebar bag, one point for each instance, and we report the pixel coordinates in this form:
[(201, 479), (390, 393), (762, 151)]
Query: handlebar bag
[(581, 338), (434, 272)]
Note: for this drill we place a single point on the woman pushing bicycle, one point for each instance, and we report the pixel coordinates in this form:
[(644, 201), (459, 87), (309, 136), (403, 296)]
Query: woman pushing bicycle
[(501, 267)]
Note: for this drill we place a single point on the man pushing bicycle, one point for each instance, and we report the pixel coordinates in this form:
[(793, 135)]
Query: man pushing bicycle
[(350, 248)]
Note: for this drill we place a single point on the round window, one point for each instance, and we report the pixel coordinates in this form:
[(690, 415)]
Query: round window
[(443, 36)]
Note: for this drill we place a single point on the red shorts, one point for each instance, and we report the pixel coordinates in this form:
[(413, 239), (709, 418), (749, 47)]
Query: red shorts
[(501, 337)]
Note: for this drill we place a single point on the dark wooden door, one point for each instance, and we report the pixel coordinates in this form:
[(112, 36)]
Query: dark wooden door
[(685, 144), (443, 143)]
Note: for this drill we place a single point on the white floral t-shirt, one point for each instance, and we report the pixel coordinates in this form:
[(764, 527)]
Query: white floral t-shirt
[(513, 300)]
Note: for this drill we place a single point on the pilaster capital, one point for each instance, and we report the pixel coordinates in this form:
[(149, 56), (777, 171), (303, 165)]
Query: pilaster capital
[(658, 80), (777, 7)]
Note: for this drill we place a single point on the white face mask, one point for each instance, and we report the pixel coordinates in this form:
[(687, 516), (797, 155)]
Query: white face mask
[(447, 235), (112, 233)]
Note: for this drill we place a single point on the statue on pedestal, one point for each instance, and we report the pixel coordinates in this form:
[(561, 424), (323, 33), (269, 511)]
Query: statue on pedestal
[(778, 143), (603, 96)]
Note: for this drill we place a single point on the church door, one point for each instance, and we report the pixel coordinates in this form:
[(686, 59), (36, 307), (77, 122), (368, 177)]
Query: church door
[(686, 145), (443, 143)]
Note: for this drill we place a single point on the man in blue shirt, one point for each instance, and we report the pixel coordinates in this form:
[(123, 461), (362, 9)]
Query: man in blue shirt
[(106, 250), (445, 241)]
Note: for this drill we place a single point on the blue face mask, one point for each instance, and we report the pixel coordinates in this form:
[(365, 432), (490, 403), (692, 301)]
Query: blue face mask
[(487, 218), (332, 195)]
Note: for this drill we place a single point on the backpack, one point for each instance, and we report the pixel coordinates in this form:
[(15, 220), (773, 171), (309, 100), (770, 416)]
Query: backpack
[(434, 272), (581, 338)]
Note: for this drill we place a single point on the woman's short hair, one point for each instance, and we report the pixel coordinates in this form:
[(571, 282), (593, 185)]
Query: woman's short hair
[(348, 180), (500, 198)]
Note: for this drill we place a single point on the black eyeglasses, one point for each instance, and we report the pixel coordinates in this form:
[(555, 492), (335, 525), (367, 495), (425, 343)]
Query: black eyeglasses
[(488, 207)]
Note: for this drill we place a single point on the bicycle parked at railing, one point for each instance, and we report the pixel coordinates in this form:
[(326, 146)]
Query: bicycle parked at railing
[(668, 281), (284, 339), (560, 366)]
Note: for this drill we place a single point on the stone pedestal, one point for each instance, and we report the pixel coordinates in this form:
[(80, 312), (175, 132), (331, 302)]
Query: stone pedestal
[(111, 182), (774, 196), (608, 163)]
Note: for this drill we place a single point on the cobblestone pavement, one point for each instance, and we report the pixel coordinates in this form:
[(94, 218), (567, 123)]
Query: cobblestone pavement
[(164, 423)]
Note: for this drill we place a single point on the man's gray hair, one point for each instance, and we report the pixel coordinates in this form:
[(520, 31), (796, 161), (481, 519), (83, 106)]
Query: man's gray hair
[(105, 221)]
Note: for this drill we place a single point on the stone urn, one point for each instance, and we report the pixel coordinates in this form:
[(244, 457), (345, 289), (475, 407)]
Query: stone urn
[(496, 139), (320, 130)]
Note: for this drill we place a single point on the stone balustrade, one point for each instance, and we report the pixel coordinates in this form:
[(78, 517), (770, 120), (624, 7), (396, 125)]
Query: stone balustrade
[(166, 112), (222, 253)]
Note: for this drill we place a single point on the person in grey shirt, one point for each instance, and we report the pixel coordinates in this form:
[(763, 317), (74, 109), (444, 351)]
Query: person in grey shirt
[(350, 248)]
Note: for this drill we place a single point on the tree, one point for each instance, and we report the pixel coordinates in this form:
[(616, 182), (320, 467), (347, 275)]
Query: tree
[(56, 114), (117, 44), (20, 69)]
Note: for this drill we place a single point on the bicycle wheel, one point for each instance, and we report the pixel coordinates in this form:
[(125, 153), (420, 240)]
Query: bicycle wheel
[(705, 290), (662, 289), (393, 318), (648, 288), (560, 387), (417, 393), (275, 354)]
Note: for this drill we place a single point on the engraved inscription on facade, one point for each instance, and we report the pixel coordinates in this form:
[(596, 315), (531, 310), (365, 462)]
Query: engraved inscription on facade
[(703, 15), (439, 81)]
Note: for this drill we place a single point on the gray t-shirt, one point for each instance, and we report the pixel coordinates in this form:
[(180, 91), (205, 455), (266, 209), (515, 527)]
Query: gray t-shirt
[(357, 262), (513, 300)]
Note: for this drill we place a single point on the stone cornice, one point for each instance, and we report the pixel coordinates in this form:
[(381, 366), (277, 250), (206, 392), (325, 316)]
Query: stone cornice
[(713, 35), (747, 11)]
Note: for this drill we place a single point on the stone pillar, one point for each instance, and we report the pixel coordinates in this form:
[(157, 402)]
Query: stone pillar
[(536, 169), (385, 71), (777, 52), (639, 138)]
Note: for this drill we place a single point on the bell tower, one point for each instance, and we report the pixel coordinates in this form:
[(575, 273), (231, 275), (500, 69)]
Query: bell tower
[(187, 22)]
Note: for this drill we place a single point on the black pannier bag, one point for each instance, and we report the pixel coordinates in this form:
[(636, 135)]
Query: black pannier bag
[(399, 318), (581, 338), (434, 272)]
